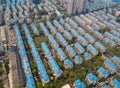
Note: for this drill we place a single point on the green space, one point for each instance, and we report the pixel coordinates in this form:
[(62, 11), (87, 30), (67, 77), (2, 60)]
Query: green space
[(6, 65), (118, 18), (69, 76), (2, 53), (1, 84), (1, 71)]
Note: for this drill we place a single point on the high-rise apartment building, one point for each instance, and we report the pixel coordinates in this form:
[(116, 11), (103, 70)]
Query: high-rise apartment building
[(76, 6)]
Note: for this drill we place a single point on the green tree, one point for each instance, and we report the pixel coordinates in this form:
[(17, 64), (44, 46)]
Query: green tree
[(1, 71), (66, 74), (2, 53), (7, 65), (39, 85), (1, 84)]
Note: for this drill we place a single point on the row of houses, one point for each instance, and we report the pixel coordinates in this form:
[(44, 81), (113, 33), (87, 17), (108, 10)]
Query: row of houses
[(69, 49), (17, 11), (57, 72), (87, 36), (108, 22), (102, 73), (100, 5), (30, 81), (37, 58), (82, 40), (110, 68), (35, 29)]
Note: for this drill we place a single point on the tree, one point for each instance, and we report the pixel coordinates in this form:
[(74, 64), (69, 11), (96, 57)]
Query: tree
[(1, 84), (7, 65), (1, 71), (2, 53), (71, 74), (66, 74), (39, 85)]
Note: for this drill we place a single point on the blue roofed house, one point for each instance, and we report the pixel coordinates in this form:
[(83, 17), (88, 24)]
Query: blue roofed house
[(79, 48), (30, 81), (70, 51), (92, 79), (57, 72), (90, 38), (81, 31), (115, 83), (46, 49), (92, 50), (110, 66), (87, 56), (79, 84), (62, 40), (74, 32), (53, 42), (105, 86), (61, 54), (116, 60), (68, 35), (103, 73), (82, 40), (78, 60), (100, 46), (68, 64)]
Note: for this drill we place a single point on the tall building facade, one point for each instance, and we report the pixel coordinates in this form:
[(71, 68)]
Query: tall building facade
[(76, 6)]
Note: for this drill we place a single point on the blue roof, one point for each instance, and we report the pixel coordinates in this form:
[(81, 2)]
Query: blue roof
[(67, 26), (61, 52), (73, 22), (93, 49), (79, 84), (30, 81), (117, 59), (23, 55), (92, 77), (88, 55), (62, 39), (70, 49), (82, 40), (55, 22), (79, 46), (112, 65), (52, 39), (89, 37), (35, 29), (52, 28), (55, 66), (99, 34), (67, 33), (116, 83), (74, 32), (42, 71), (105, 86), (68, 62), (81, 30), (26, 66), (40, 65), (110, 41), (45, 48), (115, 33), (90, 28), (78, 58), (101, 46), (45, 30), (104, 71)]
